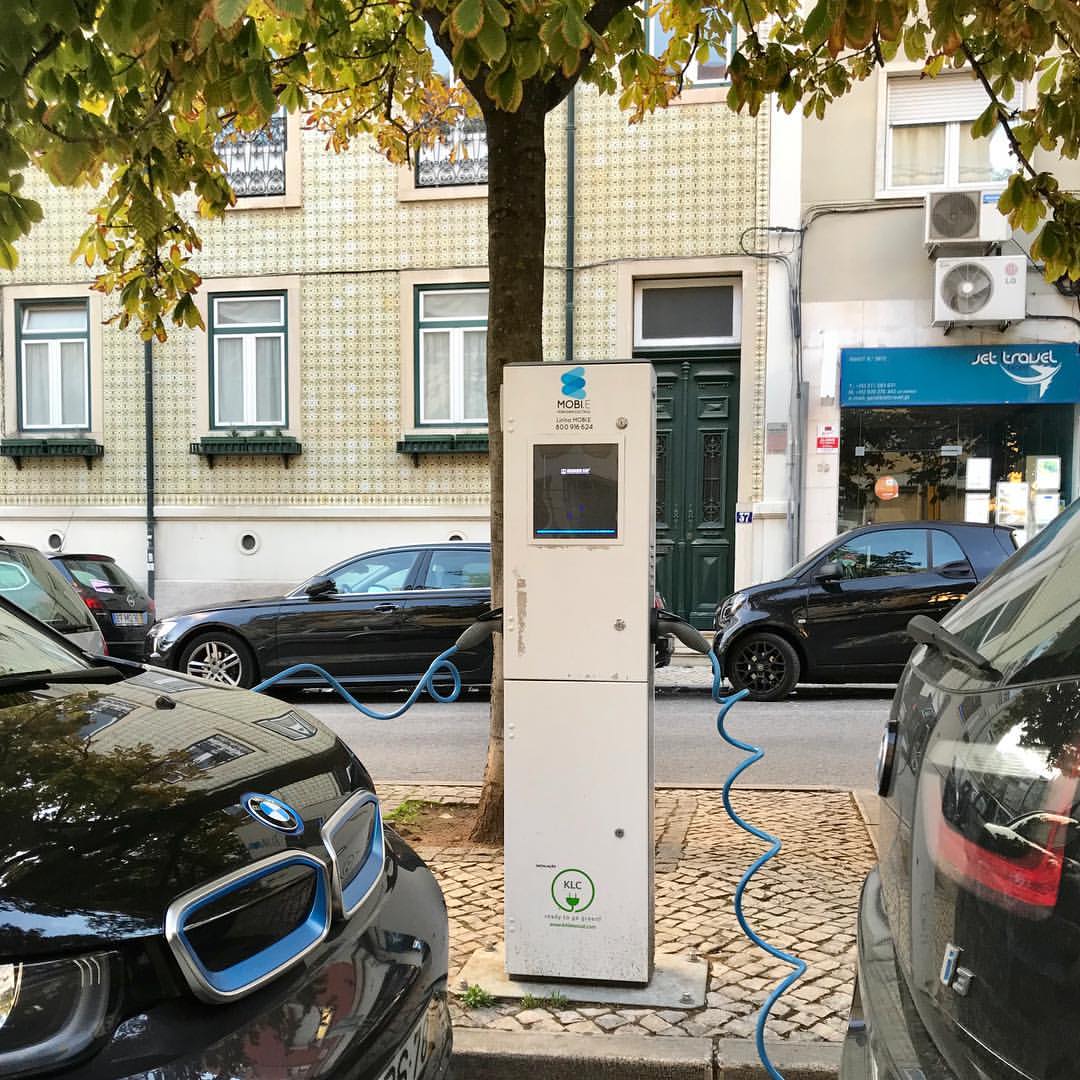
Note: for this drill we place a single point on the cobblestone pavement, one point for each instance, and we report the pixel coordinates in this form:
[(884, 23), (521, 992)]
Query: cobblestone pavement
[(803, 901)]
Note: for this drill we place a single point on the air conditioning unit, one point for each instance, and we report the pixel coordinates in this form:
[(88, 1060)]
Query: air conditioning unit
[(965, 217), (980, 289)]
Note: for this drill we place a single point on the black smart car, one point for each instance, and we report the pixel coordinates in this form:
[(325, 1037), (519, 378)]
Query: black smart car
[(375, 619), (196, 881), (121, 609), (969, 930), (840, 616)]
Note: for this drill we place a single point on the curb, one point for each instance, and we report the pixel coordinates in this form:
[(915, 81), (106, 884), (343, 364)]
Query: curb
[(523, 1055), (867, 806)]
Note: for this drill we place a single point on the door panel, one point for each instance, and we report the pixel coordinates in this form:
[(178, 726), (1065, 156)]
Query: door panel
[(696, 479)]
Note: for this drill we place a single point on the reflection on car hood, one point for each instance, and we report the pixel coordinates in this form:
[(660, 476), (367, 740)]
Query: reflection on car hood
[(233, 605), (115, 799)]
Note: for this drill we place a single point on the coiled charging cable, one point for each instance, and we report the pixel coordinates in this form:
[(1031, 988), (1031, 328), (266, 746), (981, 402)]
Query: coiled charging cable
[(755, 755), (668, 623), (472, 636)]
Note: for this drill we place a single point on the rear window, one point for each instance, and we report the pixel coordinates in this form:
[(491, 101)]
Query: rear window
[(1025, 618), (31, 583), (100, 575)]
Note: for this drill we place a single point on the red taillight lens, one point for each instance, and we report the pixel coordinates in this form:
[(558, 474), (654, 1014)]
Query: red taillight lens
[(92, 602), (1026, 882)]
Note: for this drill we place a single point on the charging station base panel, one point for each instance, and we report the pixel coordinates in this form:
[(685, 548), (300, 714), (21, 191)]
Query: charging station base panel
[(579, 830)]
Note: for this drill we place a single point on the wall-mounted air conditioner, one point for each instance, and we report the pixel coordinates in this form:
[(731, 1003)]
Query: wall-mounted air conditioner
[(980, 289), (965, 217)]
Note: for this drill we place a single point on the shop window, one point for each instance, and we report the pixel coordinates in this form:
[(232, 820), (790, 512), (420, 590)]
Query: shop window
[(701, 73), (928, 142), (686, 313), (941, 463), (54, 365), (881, 554), (248, 366), (451, 355)]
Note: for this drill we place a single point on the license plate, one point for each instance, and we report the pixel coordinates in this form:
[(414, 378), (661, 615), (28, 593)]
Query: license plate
[(129, 618), (409, 1058)]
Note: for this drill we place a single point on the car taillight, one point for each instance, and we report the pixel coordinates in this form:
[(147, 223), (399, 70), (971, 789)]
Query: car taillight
[(92, 602), (1016, 864)]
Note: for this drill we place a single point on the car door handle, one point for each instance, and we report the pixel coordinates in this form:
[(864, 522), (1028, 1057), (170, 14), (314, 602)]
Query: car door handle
[(385, 609)]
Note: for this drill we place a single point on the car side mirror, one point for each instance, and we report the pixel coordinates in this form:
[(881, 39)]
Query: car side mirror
[(322, 587), (959, 569), (828, 572)]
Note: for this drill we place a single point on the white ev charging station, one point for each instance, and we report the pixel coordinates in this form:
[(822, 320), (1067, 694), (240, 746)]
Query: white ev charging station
[(578, 571)]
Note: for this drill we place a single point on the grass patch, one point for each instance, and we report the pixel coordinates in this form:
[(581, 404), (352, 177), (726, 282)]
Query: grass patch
[(555, 1001), (476, 997), (407, 812)]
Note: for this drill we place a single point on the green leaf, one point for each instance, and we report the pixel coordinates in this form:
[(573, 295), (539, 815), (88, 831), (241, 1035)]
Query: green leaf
[(290, 9), (528, 57), (574, 29), (492, 40), (227, 13), (816, 27), (9, 257), (505, 89), (467, 19)]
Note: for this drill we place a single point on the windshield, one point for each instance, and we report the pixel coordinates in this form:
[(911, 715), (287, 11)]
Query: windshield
[(24, 648), (29, 582), (810, 559)]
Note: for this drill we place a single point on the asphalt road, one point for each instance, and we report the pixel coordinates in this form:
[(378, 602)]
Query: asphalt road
[(823, 736)]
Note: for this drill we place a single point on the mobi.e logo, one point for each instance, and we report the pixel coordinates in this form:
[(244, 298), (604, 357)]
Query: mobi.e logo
[(572, 389), (572, 890), (1026, 366)]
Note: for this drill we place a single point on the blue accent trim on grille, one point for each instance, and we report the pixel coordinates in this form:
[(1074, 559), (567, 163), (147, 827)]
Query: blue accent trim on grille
[(240, 978), (351, 894)]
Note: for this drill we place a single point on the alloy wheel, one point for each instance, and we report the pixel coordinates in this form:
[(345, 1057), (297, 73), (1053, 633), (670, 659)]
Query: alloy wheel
[(760, 666), (217, 661)]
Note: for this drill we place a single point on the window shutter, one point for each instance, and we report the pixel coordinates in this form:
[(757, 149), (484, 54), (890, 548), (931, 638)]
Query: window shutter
[(960, 96)]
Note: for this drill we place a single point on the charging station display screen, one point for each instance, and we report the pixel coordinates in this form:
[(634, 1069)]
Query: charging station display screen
[(576, 491)]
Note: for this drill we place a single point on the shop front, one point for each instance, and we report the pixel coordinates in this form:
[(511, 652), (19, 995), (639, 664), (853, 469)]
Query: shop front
[(958, 433)]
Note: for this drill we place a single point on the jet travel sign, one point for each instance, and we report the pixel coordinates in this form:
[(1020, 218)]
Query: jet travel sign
[(1014, 374)]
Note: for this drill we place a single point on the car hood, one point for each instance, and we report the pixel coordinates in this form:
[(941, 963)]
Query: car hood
[(233, 605), (117, 799), (752, 592)]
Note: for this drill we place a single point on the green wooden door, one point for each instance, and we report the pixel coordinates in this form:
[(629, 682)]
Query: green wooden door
[(697, 412)]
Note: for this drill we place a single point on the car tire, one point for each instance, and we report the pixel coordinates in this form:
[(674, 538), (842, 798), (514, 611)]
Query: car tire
[(220, 657), (766, 665)]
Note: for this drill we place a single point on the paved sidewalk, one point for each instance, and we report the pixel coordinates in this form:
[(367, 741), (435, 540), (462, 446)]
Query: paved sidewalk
[(803, 901)]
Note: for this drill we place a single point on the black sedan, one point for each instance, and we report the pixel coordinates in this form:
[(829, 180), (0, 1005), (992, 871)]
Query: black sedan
[(197, 882), (377, 619), (841, 615)]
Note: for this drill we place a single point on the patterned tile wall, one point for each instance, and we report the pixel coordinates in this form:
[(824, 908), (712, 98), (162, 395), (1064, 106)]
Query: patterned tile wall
[(684, 183)]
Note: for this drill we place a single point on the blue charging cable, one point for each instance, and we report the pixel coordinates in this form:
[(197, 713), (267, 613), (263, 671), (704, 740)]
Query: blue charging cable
[(756, 754), (440, 665)]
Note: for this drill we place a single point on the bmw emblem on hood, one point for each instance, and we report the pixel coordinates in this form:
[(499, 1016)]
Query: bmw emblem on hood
[(273, 813)]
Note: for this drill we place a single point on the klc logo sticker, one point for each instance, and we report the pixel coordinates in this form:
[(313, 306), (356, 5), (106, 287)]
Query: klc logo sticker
[(572, 890), (573, 383)]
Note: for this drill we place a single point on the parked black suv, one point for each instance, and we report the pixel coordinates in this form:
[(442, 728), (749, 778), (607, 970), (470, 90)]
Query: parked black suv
[(840, 616), (969, 931)]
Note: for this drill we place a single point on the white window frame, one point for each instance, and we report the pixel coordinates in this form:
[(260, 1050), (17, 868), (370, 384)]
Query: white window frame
[(457, 328), (691, 68), (249, 341), (54, 340), (951, 171), (735, 338)]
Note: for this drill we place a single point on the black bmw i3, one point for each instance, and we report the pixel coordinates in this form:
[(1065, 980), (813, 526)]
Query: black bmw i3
[(196, 881)]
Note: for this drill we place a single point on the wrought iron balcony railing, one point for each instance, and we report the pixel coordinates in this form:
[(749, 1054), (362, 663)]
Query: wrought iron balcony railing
[(459, 157), (255, 160)]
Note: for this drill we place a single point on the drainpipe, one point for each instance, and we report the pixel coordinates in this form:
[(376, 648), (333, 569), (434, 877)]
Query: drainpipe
[(148, 413), (570, 154)]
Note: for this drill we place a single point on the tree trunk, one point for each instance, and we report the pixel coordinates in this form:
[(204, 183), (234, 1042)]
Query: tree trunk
[(516, 224)]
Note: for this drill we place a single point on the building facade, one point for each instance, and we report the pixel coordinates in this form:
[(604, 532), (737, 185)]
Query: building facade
[(335, 402), (940, 370)]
